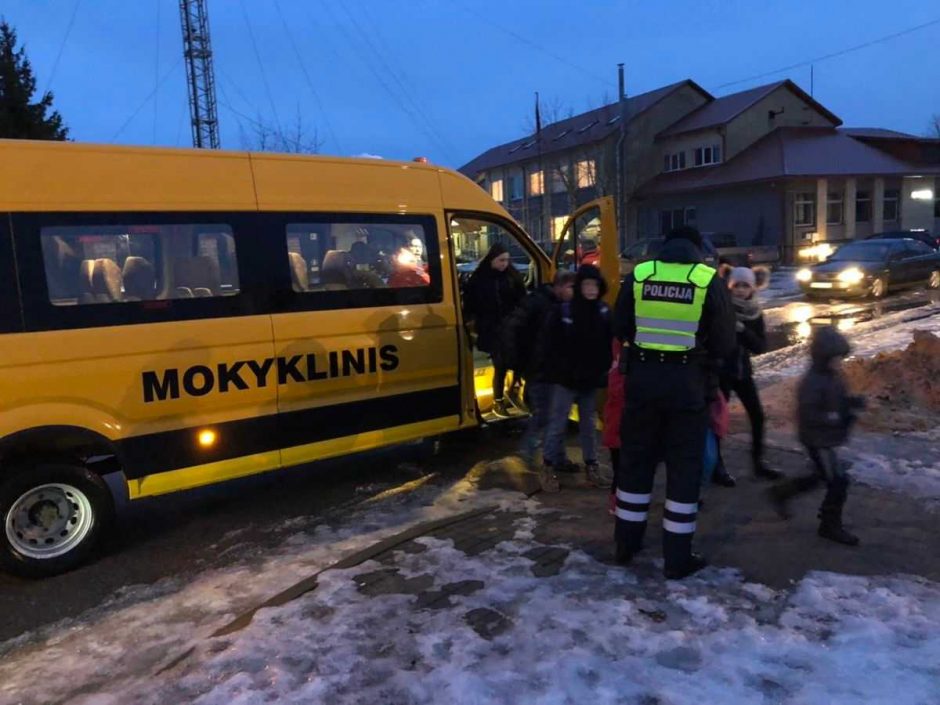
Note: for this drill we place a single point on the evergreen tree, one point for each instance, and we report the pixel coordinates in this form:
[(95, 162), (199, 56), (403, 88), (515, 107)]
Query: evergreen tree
[(19, 118)]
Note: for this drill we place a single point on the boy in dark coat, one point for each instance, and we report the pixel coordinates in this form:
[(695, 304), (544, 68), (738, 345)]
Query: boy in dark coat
[(527, 360), (825, 414), (576, 343)]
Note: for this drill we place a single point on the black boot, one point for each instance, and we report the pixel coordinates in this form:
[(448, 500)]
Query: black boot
[(622, 553), (762, 471), (830, 527), (722, 477), (694, 564)]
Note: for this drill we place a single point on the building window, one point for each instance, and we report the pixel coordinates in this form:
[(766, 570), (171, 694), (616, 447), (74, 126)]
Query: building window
[(560, 179), (675, 218), (558, 224), (674, 162), (515, 187), (496, 190), (536, 183), (703, 156), (891, 204), (863, 207), (804, 209), (834, 208), (585, 173)]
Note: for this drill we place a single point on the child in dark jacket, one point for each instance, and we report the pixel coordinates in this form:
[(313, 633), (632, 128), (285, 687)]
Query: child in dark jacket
[(576, 341), (825, 414)]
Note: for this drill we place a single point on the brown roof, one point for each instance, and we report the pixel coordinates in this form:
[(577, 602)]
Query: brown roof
[(723, 110), (586, 128), (788, 152)]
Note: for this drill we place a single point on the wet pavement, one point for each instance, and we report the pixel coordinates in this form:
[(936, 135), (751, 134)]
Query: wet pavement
[(790, 318)]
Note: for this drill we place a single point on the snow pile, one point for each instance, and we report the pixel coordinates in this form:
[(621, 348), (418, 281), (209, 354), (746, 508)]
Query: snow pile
[(902, 387)]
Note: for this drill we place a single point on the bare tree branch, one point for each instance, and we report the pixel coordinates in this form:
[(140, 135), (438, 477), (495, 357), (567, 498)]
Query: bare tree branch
[(296, 138)]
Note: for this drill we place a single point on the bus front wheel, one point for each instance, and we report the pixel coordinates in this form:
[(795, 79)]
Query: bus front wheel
[(52, 516)]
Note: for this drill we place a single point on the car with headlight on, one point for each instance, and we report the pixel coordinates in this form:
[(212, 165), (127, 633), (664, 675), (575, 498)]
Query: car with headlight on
[(872, 268)]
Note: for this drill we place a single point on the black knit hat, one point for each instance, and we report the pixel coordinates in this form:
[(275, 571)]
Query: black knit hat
[(686, 232), (589, 271)]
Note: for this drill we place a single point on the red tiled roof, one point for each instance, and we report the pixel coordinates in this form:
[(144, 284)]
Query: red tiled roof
[(789, 152), (723, 110), (586, 128)]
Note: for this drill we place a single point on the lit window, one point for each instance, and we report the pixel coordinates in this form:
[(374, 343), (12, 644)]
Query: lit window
[(536, 183), (496, 190), (558, 225), (585, 173)]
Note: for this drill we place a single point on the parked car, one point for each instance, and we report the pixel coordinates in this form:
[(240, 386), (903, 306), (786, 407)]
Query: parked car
[(743, 255), (649, 248), (922, 235), (872, 268)]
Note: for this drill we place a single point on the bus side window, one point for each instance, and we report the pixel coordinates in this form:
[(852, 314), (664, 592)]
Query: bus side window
[(90, 264)]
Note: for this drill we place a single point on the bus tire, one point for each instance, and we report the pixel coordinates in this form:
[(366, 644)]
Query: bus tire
[(52, 515)]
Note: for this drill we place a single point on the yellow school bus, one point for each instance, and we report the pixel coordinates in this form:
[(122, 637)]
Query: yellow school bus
[(187, 317)]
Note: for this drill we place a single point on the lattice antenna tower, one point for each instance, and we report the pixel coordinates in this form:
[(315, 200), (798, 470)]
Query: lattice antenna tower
[(200, 78)]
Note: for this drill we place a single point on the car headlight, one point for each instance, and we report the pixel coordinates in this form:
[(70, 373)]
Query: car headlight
[(804, 275), (852, 275)]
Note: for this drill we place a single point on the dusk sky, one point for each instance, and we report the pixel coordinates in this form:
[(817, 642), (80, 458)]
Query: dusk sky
[(449, 79)]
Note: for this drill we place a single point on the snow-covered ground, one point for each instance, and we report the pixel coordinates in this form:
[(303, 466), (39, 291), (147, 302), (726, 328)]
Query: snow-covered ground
[(592, 633)]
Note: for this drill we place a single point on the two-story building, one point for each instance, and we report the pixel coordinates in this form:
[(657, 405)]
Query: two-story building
[(766, 166)]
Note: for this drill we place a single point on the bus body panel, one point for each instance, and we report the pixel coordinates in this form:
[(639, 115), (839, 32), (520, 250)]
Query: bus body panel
[(56, 176), (155, 389)]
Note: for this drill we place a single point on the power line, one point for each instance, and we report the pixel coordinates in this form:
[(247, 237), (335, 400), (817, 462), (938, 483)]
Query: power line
[(306, 74), (408, 111), (313, 148), (538, 47), (146, 100), (832, 55), (382, 53), (264, 77), (65, 39)]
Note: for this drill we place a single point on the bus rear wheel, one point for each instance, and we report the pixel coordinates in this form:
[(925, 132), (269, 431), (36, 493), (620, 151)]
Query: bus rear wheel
[(52, 517)]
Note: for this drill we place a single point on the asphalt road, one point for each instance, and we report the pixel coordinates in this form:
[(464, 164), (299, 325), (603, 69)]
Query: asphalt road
[(188, 532)]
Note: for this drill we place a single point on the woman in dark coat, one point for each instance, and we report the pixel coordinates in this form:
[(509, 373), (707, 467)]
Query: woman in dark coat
[(492, 293)]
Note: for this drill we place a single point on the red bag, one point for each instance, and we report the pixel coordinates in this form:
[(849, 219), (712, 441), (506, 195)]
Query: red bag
[(719, 416)]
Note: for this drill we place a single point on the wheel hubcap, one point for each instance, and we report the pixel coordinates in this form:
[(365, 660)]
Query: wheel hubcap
[(49, 521)]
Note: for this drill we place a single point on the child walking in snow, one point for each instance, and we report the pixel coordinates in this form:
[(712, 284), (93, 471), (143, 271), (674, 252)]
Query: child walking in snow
[(825, 414)]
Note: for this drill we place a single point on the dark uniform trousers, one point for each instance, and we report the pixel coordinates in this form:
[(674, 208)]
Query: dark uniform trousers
[(665, 418)]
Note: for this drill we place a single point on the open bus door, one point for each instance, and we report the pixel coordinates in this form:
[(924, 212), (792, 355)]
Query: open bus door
[(590, 237)]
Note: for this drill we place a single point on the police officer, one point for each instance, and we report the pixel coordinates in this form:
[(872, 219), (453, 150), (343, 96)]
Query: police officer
[(675, 315)]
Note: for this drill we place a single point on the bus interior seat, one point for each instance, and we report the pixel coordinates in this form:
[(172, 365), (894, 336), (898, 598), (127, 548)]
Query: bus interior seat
[(107, 281), (184, 292), (300, 277), (140, 282), (198, 272), (85, 271), (334, 273), (201, 292)]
